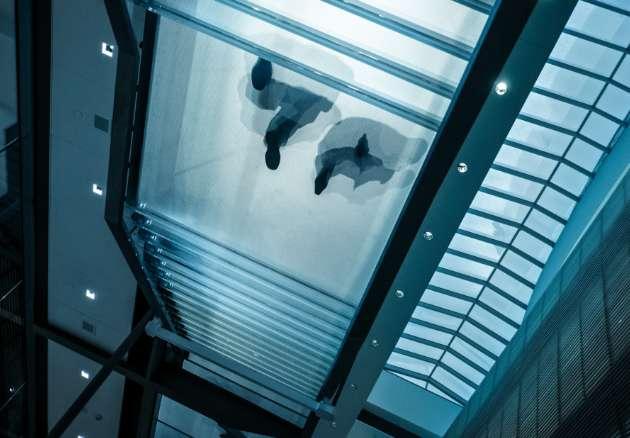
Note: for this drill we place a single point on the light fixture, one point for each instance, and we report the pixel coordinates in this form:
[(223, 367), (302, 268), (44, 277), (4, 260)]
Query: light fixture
[(97, 190), (90, 294), (462, 167), (107, 50), (85, 374), (428, 235), (501, 88)]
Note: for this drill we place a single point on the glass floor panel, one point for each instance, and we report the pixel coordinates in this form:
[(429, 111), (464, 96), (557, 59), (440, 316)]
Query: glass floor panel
[(297, 165), (279, 151)]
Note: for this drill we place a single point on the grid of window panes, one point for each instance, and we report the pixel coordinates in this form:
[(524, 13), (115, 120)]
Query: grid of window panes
[(476, 299)]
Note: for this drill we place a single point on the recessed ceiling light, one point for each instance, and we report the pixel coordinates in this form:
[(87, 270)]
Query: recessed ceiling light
[(462, 167), (90, 294), (428, 235), (107, 50), (501, 88), (97, 190), (85, 374)]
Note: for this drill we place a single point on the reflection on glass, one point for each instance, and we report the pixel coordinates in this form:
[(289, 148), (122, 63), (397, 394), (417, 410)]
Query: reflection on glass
[(487, 227), (569, 84), (554, 111), (525, 162), (584, 54), (539, 137)]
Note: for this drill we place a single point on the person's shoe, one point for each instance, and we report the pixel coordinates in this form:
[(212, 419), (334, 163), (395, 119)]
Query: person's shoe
[(272, 158), (261, 74)]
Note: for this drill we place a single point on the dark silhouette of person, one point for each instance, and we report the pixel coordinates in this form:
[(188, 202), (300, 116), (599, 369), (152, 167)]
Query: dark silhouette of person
[(365, 150), (297, 107), (358, 156)]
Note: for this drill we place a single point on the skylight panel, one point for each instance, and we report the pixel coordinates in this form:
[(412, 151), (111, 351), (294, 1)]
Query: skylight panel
[(455, 284), (615, 101), (420, 382), (487, 227), (544, 225), (492, 322), (600, 129), (511, 286), (532, 246), (441, 393), (521, 266), (466, 266), (570, 179), (477, 247), (525, 162), (436, 318), (556, 202), (502, 305), (428, 333), (462, 368), (472, 353), (554, 111), (453, 383), (586, 55), (419, 348), (512, 185), (445, 301), (483, 339), (600, 23), (623, 72), (412, 364), (570, 84), (499, 207), (539, 137)]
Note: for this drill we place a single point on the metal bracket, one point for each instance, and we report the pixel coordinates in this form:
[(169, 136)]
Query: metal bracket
[(325, 410), (153, 327)]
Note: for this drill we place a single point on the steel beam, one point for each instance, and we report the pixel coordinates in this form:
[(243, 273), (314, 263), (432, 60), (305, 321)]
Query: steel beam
[(184, 388), (150, 397), (100, 378), (514, 48), (140, 401), (33, 26), (127, 69)]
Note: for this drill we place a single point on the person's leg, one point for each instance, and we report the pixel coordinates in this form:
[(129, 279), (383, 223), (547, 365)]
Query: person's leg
[(277, 135), (321, 181), (261, 74)]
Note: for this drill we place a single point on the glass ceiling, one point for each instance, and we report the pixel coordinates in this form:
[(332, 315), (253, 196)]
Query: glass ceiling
[(262, 256), (477, 297)]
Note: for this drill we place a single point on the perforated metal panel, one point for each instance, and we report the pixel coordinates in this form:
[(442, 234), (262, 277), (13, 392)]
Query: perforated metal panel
[(570, 376)]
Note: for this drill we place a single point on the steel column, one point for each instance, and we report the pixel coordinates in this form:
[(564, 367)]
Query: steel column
[(33, 26)]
